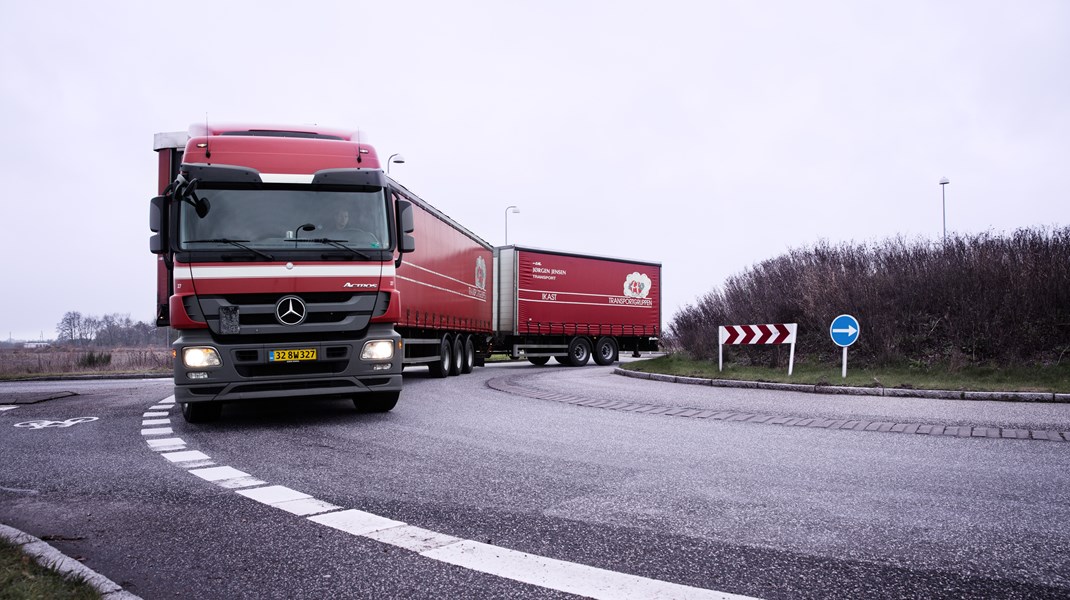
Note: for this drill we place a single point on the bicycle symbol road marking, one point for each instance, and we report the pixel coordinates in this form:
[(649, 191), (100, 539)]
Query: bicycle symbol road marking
[(42, 423)]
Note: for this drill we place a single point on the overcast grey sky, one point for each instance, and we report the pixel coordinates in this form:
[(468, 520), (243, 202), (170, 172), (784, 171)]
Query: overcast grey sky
[(705, 135)]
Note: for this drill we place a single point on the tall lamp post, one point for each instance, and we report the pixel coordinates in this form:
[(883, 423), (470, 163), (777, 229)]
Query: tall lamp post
[(511, 209), (400, 160), (943, 202)]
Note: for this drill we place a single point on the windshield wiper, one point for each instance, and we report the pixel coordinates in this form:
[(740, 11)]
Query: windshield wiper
[(238, 243), (336, 244)]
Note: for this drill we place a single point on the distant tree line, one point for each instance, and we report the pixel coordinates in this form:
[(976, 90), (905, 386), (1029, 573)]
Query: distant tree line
[(977, 299), (109, 331)]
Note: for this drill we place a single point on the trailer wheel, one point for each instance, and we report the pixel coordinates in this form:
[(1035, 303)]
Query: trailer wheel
[(538, 360), (605, 351), (376, 402), (469, 355), (201, 412), (457, 364), (441, 368), (579, 352)]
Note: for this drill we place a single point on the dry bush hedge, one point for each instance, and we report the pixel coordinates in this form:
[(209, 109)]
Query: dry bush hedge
[(977, 299)]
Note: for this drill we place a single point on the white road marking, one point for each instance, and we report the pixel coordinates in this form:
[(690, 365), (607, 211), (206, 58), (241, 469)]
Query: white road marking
[(187, 456), (3, 408), (356, 522), (239, 482), (219, 473), (168, 400), (568, 577), (306, 506), (551, 573), (416, 539), (148, 422), (150, 415), (274, 494), (167, 444)]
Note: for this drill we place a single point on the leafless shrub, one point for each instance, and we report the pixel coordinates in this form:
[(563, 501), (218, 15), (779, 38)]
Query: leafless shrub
[(974, 299)]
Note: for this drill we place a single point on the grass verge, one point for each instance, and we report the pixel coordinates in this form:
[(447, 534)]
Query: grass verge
[(1053, 379), (21, 578)]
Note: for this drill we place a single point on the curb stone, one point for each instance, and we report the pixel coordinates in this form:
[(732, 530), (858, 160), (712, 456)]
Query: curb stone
[(50, 558), (854, 391)]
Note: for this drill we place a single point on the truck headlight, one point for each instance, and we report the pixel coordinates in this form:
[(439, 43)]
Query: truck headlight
[(378, 350), (200, 357)]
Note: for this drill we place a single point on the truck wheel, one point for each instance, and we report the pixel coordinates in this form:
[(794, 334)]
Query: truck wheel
[(579, 352), (201, 412), (538, 360), (441, 368), (605, 351), (376, 402), (458, 355), (469, 355)]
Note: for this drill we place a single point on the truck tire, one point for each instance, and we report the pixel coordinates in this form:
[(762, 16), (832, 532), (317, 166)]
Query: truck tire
[(579, 352), (469, 355), (457, 364), (538, 360), (605, 351), (441, 367), (201, 412), (376, 402)]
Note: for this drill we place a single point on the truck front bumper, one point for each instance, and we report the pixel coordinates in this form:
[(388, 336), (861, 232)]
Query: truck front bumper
[(247, 371)]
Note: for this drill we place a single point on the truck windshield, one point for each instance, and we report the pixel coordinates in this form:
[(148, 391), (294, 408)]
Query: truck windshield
[(283, 218)]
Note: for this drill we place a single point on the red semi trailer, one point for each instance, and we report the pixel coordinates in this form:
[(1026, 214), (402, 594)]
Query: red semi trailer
[(286, 268), (573, 306)]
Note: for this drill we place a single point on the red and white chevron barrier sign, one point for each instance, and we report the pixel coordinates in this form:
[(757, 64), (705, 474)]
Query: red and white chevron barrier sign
[(780, 333), (777, 333)]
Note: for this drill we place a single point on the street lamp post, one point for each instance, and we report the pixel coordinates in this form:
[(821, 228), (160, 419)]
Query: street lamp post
[(511, 209), (400, 160), (943, 202)]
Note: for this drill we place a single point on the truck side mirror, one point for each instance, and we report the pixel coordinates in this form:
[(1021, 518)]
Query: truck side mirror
[(157, 213), (406, 243)]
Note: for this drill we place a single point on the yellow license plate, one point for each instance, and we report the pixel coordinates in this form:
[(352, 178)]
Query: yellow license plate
[(292, 355)]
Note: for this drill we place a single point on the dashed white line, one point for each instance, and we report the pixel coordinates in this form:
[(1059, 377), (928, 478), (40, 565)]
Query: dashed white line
[(356, 522), (148, 422), (306, 506), (166, 444), (551, 573), (187, 456), (214, 474), (273, 494)]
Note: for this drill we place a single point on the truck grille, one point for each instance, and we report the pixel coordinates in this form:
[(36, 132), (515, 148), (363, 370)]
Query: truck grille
[(328, 315)]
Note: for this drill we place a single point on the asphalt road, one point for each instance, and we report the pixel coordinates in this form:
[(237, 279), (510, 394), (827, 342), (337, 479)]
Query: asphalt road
[(526, 493)]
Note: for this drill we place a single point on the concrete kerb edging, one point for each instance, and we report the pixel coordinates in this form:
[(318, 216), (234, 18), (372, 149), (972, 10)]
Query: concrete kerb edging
[(50, 558), (852, 391)]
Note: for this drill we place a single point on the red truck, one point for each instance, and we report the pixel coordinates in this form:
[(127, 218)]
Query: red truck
[(286, 268)]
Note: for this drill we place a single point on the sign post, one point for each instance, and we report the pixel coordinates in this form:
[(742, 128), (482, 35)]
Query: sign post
[(844, 331)]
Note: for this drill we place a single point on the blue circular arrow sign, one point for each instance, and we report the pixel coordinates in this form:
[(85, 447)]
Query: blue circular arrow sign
[(844, 330)]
